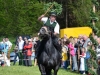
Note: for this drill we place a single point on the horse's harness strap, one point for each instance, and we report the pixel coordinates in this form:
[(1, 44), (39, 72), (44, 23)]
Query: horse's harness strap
[(46, 30)]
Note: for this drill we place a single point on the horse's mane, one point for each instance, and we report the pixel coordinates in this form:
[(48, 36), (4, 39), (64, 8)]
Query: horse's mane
[(46, 45), (49, 47)]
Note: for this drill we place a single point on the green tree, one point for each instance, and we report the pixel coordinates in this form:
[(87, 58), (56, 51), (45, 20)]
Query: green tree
[(19, 17)]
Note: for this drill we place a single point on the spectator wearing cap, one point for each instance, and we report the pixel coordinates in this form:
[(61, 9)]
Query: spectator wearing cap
[(28, 48)]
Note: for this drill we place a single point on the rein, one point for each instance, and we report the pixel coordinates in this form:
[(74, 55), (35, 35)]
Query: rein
[(47, 32)]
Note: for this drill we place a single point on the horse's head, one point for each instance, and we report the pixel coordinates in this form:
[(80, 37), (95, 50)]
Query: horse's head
[(44, 32)]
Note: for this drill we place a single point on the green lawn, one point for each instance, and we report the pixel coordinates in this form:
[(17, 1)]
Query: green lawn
[(22, 70)]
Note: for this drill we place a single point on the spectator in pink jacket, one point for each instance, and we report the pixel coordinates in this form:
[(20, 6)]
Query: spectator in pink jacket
[(72, 53), (71, 47)]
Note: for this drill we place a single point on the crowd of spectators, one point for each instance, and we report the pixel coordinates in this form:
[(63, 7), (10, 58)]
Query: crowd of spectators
[(74, 51), (24, 49), (5, 46)]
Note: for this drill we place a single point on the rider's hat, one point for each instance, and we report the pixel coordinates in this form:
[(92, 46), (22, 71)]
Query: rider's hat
[(53, 14)]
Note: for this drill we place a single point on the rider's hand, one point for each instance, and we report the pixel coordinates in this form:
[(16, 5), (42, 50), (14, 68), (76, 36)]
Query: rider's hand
[(38, 33), (42, 15), (55, 33)]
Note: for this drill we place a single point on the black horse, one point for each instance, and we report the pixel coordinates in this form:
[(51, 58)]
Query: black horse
[(48, 57)]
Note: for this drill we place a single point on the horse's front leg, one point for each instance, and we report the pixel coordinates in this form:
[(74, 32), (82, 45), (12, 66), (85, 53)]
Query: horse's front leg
[(42, 69), (48, 71), (56, 69)]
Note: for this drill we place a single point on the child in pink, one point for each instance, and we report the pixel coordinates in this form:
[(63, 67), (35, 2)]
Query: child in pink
[(72, 53), (71, 47)]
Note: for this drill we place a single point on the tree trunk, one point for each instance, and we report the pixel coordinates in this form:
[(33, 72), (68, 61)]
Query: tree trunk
[(93, 22), (66, 15), (94, 12)]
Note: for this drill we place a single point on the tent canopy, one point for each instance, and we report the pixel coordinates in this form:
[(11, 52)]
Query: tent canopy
[(76, 31)]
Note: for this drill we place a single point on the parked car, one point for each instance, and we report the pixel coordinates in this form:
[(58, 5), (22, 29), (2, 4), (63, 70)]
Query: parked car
[(12, 55)]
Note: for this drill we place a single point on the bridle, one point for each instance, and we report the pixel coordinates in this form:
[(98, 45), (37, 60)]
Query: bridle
[(47, 31)]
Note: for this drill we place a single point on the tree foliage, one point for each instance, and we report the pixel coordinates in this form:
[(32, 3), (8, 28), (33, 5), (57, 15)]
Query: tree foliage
[(19, 17), (55, 7), (78, 12)]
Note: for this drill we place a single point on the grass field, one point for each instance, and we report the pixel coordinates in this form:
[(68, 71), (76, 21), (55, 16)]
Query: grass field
[(22, 70)]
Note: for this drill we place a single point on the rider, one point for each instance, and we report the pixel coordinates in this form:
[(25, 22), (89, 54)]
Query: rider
[(54, 26)]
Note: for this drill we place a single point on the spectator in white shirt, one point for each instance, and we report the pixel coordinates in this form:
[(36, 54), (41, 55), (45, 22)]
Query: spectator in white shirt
[(20, 44), (20, 48)]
